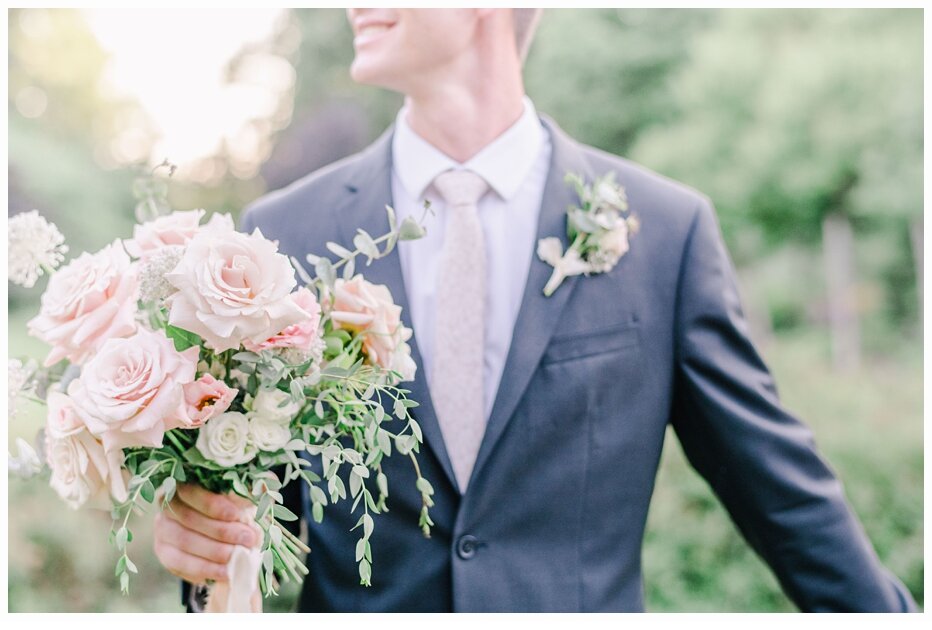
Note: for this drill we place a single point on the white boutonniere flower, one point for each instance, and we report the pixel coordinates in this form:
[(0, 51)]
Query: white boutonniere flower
[(599, 230)]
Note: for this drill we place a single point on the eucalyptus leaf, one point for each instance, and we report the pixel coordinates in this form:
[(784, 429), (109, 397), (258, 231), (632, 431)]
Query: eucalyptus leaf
[(318, 495), (147, 491), (424, 486), (365, 572), (366, 244), (325, 271), (410, 230), (122, 537), (264, 504), (168, 487), (283, 514), (302, 272), (349, 269), (339, 250), (385, 441), (355, 485)]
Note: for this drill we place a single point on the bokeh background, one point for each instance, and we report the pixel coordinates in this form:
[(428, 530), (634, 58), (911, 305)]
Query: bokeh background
[(804, 127)]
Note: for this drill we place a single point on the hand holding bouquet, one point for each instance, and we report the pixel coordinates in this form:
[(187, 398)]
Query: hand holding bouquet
[(184, 355)]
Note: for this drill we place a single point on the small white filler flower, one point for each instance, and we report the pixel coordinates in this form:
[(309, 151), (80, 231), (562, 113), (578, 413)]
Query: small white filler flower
[(35, 247), (19, 381), (26, 463), (153, 286)]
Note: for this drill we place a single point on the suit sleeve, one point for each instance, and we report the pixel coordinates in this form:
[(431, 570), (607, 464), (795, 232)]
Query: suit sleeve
[(760, 461)]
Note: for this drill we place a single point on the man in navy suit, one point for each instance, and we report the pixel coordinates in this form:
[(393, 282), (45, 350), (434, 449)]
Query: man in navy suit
[(543, 462)]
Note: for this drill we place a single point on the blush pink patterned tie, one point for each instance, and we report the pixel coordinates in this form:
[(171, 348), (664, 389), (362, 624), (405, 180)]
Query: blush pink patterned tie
[(459, 339)]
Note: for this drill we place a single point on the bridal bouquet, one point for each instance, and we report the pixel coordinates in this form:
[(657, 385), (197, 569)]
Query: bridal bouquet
[(184, 355)]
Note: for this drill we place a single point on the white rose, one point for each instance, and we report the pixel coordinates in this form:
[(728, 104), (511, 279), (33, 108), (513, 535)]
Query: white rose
[(611, 194), (275, 405), (403, 363), (225, 439), (82, 470), (233, 287), (614, 243), (268, 434)]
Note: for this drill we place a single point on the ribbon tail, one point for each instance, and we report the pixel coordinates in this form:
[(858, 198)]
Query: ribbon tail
[(240, 594)]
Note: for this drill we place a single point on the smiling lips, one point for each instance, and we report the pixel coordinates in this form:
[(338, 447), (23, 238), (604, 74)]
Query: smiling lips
[(370, 30)]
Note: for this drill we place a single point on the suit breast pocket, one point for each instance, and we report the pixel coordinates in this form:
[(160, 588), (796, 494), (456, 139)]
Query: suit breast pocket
[(586, 376), (585, 345)]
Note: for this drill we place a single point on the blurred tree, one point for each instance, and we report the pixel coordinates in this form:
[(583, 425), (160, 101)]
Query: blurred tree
[(603, 74), (62, 130), (333, 116), (802, 125)]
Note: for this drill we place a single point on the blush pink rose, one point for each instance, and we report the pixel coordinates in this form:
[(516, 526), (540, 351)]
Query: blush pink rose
[(303, 335), (62, 419), (233, 287), (132, 391), (88, 301), (177, 228), (206, 398), (369, 310), (82, 470)]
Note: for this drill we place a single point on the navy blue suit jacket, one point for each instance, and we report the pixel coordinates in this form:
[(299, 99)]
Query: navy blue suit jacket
[(553, 518)]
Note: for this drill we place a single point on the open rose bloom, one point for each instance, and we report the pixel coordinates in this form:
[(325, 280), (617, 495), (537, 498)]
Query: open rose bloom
[(215, 373)]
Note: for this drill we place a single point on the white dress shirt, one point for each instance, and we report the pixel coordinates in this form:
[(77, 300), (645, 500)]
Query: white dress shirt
[(515, 165)]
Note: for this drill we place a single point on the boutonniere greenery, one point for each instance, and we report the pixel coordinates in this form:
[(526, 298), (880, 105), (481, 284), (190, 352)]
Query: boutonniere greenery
[(598, 230)]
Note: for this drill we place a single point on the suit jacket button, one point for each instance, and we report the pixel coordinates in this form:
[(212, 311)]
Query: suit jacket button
[(467, 546)]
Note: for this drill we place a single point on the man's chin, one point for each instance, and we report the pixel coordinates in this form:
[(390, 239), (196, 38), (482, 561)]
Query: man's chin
[(365, 72)]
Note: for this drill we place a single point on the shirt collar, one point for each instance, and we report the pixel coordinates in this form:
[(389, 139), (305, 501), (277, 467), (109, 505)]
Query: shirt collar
[(504, 163)]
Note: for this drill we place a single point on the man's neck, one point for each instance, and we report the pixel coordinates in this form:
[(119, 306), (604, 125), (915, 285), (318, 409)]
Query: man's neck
[(460, 122)]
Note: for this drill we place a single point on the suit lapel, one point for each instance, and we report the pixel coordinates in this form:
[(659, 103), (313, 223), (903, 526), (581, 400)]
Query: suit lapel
[(370, 189), (538, 315)]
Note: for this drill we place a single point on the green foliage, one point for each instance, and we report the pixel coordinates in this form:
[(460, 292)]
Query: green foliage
[(868, 425), (787, 115), (182, 339), (602, 73)]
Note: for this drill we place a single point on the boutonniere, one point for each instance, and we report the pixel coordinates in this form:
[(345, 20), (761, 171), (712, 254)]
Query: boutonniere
[(598, 229)]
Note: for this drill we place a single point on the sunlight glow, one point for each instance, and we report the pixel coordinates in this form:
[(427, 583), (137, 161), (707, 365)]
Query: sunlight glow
[(174, 62)]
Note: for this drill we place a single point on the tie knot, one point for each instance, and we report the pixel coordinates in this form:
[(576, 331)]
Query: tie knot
[(460, 188)]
